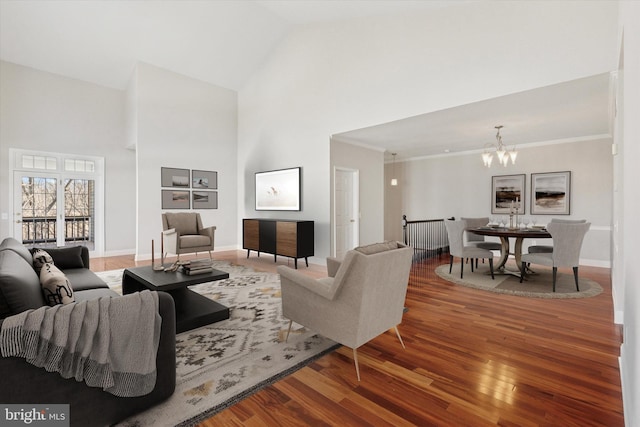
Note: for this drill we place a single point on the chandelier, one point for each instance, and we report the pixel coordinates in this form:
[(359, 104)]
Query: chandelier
[(501, 151)]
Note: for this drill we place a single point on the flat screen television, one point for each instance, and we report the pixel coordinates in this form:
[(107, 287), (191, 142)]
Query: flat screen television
[(278, 190)]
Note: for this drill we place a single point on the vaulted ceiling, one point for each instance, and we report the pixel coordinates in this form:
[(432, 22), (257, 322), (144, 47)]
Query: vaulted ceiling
[(223, 42)]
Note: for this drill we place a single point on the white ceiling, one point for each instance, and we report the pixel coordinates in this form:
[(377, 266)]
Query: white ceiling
[(223, 42), (571, 111), (218, 41)]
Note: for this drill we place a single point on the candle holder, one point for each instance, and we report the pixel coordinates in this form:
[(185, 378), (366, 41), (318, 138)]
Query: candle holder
[(513, 211), (153, 262)]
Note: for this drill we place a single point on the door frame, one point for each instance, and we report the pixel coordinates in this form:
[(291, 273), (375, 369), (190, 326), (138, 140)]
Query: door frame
[(355, 202)]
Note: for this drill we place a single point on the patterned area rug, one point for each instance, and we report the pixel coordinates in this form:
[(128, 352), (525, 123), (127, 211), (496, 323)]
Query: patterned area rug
[(539, 285), (220, 364)]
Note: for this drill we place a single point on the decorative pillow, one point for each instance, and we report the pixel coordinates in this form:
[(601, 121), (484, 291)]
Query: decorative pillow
[(69, 257), (40, 258), (55, 285)]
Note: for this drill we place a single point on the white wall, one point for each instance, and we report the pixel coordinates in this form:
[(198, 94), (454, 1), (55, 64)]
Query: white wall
[(48, 112), (331, 78), (460, 186), (190, 124), (630, 278), (183, 123)]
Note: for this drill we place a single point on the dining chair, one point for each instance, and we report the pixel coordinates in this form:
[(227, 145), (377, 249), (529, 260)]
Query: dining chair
[(476, 240), (536, 249), (457, 248), (567, 243)]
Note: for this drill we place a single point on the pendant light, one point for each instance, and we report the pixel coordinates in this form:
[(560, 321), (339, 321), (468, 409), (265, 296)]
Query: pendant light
[(394, 181)]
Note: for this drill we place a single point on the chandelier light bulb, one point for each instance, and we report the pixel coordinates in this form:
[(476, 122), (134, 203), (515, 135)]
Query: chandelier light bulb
[(501, 151)]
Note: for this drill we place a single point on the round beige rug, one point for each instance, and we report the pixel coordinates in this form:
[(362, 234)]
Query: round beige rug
[(538, 285)]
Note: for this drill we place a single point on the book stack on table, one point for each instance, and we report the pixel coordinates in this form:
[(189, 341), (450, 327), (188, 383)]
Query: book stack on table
[(197, 266)]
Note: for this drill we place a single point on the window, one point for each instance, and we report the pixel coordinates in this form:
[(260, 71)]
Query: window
[(39, 162)]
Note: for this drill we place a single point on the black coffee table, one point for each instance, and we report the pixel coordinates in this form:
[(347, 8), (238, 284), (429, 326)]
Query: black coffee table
[(192, 309)]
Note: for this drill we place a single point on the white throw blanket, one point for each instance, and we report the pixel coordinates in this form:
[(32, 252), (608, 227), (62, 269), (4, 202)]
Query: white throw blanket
[(107, 342)]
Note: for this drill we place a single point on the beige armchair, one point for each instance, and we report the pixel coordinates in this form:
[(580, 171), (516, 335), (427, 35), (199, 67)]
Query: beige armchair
[(183, 233), (362, 298)]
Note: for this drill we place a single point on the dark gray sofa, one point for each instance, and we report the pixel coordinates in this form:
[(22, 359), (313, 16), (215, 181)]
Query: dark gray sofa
[(24, 383)]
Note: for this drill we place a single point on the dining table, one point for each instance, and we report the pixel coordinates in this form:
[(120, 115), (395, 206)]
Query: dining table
[(505, 233)]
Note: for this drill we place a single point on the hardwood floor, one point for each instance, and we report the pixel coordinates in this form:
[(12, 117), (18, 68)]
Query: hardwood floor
[(472, 358)]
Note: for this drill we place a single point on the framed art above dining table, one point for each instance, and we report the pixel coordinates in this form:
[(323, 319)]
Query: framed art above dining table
[(551, 193), (508, 194)]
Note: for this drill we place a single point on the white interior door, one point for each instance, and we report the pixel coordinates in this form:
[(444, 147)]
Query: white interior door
[(346, 211)]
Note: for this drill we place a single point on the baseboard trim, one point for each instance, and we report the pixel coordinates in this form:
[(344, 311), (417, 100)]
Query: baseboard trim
[(596, 263), (119, 252)]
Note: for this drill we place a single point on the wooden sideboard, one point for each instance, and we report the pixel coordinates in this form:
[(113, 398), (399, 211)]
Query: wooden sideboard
[(290, 238)]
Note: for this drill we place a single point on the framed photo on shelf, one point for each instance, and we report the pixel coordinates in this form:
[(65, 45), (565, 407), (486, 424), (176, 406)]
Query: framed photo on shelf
[(172, 177), (175, 199), (551, 193), (507, 191), (204, 199), (207, 180)]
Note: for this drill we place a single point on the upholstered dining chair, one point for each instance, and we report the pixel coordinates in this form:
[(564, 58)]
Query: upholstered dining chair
[(362, 297), (183, 233), (567, 243), (457, 248), (473, 239), (536, 249), (477, 240)]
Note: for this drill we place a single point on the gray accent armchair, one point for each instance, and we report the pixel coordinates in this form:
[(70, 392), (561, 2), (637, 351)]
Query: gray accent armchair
[(567, 243), (183, 233), (457, 248), (362, 298)]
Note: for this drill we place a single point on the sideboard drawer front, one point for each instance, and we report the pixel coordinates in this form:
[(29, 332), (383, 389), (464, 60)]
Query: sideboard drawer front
[(251, 234), (286, 239)]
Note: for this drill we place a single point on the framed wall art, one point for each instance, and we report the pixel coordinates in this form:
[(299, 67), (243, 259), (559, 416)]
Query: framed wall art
[(551, 193), (206, 180), (175, 199), (172, 177), (202, 199), (507, 191), (278, 190)]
